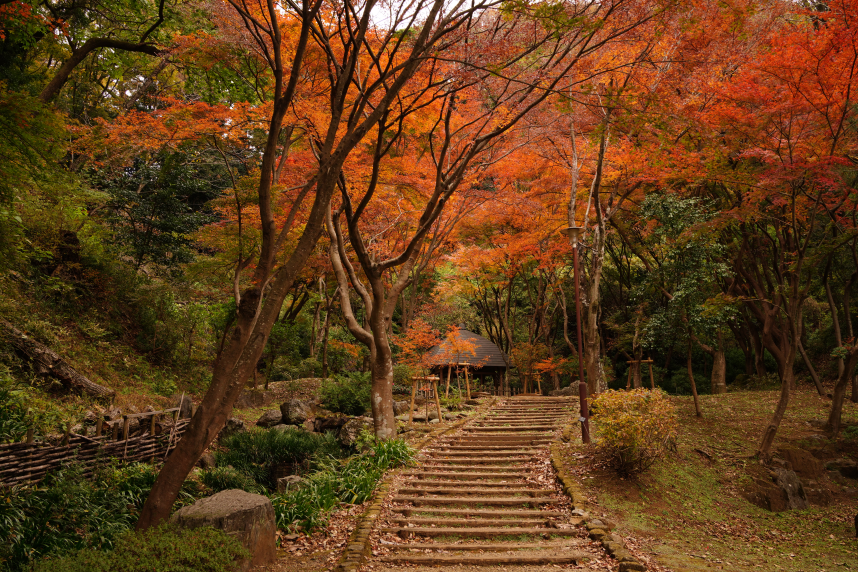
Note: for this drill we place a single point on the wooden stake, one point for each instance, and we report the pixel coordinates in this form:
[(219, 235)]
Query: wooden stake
[(30, 436), (125, 425), (437, 401), (467, 383), (413, 393), (651, 378), (447, 392), (99, 425)]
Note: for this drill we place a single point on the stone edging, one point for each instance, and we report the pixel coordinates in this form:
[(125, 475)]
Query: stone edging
[(599, 529), (358, 547)]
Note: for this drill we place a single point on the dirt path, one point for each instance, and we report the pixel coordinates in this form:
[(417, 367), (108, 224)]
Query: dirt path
[(485, 498)]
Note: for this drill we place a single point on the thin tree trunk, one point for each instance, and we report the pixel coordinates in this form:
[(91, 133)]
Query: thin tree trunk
[(697, 409), (835, 319), (811, 369), (837, 398)]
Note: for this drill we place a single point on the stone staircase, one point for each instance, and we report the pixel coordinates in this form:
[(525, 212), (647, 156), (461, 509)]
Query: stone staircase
[(476, 499)]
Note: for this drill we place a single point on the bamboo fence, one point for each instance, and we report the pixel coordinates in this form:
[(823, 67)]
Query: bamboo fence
[(30, 461)]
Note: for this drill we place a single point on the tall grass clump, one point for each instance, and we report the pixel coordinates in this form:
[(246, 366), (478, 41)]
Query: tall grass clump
[(68, 512), (248, 460), (352, 481), (635, 428)]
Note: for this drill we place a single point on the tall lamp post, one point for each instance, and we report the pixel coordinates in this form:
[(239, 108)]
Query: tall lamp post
[(574, 232)]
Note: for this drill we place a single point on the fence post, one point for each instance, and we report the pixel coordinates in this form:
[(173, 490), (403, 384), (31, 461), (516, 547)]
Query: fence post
[(99, 425), (125, 425), (30, 436)]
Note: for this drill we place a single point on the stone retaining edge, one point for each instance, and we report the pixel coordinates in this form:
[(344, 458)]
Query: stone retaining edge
[(358, 547), (612, 544)]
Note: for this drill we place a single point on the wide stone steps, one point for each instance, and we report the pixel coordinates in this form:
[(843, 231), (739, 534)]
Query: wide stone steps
[(470, 492)]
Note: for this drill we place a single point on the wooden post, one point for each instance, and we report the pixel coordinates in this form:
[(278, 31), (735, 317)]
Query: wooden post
[(154, 420), (651, 378), (125, 425), (30, 436), (629, 380), (116, 431), (539, 384), (413, 393), (437, 400), (447, 391), (66, 436), (467, 382), (99, 425)]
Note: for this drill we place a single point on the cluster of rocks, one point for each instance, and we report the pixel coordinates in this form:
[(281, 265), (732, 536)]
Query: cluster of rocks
[(796, 479)]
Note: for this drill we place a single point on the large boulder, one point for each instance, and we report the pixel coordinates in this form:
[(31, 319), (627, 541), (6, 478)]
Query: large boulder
[(349, 432), (297, 411), (270, 418), (253, 398), (247, 517)]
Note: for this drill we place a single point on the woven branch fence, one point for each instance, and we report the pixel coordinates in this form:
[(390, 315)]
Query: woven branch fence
[(29, 462)]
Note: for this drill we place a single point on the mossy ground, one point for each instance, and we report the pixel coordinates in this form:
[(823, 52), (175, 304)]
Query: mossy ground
[(688, 512)]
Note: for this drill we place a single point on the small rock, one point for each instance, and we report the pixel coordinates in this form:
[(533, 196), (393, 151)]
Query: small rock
[(791, 485), (284, 483), (349, 432), (328, 421), (283, 427), (451, 416), (232, 426), (403, 417), (434, 420), (473, 402), (632, 567), (207, 461), (846, 467), (570, 390), (291, 537), (185, 406), (270, 418), (401, 407), (297, 411), (580, 512)]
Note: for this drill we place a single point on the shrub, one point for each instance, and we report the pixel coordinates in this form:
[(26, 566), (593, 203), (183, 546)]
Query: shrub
[(226, 478), (352, 481), (635, 428), (347, 393), (257, 452), (163, 548)]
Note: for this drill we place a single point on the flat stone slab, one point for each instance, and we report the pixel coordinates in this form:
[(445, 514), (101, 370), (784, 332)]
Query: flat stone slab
[(481, 512), (487, 560), (440, 490)]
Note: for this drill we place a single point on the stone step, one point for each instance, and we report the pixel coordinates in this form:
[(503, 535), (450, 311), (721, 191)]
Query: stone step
[(509, 453), (487, 448), (480, 512), (454, 483), (487, 559), (433, 532), (476, 460), (483, 546), (487, 501), (468, 475), (517, 522), (509, 428), (441, 490), (484, 468)]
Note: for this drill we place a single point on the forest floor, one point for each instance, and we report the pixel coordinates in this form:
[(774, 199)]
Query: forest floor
[(688, 512)]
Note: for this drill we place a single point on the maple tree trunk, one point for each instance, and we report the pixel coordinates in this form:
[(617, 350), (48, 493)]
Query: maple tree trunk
[(757, 344), (787, 385), (719, 372), (592, 342), (381, 367), (697, 409)]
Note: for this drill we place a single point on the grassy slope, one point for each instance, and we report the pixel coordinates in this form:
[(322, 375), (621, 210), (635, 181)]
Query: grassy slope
[(688, 511)]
